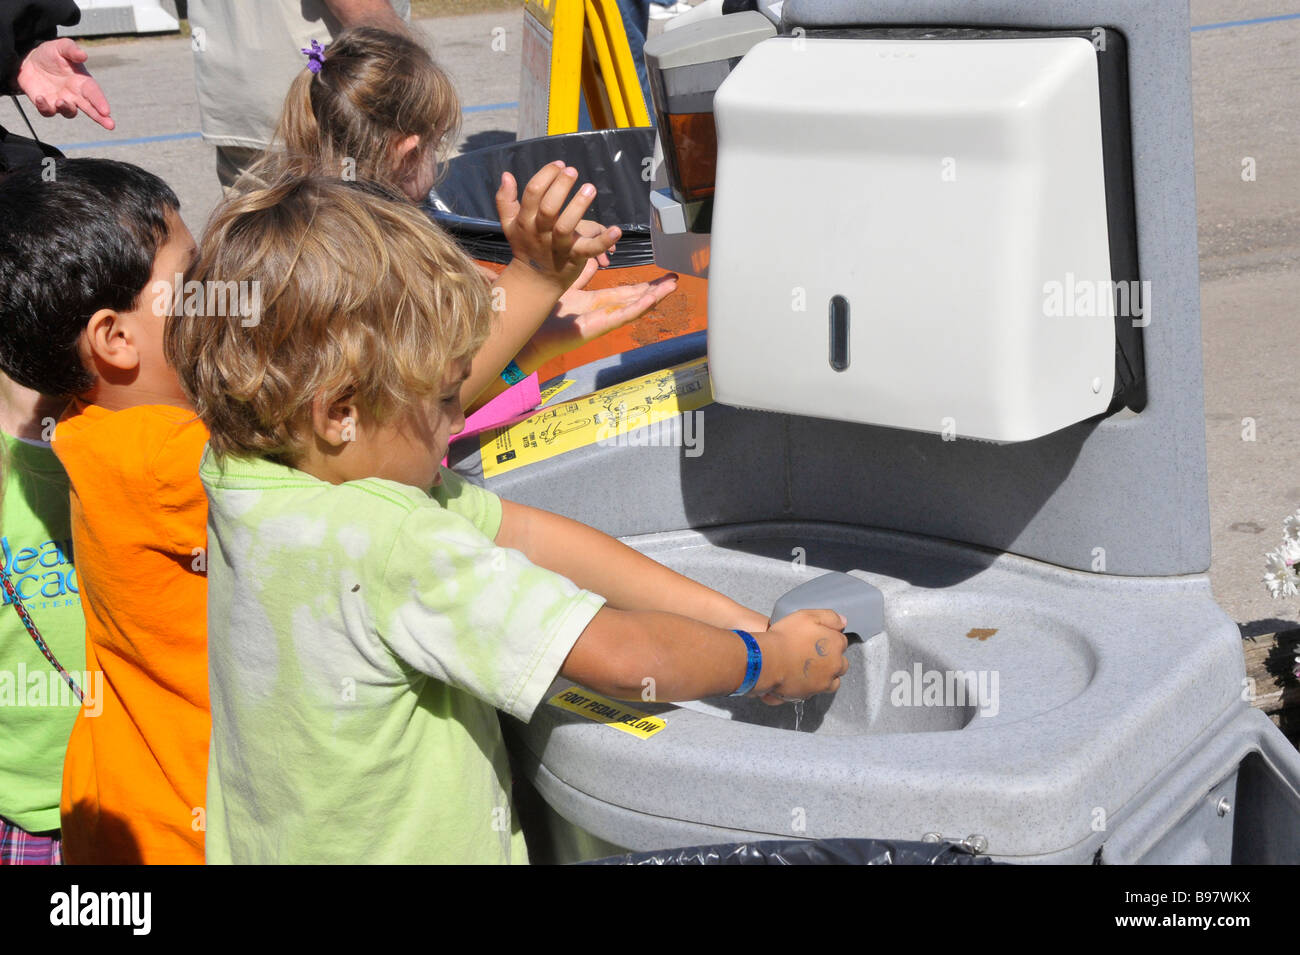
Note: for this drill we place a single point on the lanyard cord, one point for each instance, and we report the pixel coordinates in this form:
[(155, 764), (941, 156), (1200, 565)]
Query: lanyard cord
[(24, 116), (41, 645)]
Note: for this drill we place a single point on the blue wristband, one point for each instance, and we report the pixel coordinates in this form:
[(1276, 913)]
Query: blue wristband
[(512, 374), (753, 665)]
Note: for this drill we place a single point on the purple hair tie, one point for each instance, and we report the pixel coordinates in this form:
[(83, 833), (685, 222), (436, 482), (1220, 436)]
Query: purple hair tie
[(315, 56)]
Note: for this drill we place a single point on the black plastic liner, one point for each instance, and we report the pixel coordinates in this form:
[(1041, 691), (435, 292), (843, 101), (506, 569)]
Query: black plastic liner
[(798, 852), (616, 161)]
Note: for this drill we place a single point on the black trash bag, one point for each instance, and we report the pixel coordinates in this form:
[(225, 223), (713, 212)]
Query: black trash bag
[(808, 852), (616, 161)]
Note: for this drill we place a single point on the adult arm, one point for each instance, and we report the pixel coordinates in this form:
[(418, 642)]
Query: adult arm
[(370, 13), (25, 25)]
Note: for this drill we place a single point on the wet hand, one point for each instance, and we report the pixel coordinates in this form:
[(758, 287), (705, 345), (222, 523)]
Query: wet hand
[(807, 650)]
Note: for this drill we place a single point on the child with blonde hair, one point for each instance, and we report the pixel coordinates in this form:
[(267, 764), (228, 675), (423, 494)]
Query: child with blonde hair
[(367, 609), (374, 106)]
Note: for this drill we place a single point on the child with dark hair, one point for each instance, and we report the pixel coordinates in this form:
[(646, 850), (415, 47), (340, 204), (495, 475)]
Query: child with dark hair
[(87, 259)]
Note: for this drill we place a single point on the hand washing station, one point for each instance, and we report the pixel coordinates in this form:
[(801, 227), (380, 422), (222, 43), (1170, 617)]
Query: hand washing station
[(937, 368)]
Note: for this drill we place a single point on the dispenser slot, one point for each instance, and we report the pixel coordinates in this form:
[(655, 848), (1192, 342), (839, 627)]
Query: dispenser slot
[(839, 332)]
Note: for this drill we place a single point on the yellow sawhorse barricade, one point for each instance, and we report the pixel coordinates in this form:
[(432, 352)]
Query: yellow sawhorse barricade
[(577, 49)]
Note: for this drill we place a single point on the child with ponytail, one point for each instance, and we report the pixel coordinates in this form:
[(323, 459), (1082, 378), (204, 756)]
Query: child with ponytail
[(374, 106)]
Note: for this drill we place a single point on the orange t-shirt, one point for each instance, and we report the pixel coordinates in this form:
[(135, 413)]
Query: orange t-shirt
[(135, 775)]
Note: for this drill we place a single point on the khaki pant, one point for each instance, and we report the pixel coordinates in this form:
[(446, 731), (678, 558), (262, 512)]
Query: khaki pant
[(233, 162)]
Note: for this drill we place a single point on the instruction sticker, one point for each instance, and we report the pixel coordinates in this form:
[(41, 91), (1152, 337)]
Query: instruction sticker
[(596, 708), (601, 417), (547, 394)]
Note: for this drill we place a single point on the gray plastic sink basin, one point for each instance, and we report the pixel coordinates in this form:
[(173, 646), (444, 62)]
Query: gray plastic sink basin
[(1100, 681), (946, 660)]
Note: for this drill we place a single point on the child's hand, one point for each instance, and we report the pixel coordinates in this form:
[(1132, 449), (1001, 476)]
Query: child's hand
[(806, 651), (583, 315), (552, 239)]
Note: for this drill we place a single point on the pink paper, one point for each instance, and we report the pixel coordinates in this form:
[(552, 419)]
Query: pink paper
[(514, 404)]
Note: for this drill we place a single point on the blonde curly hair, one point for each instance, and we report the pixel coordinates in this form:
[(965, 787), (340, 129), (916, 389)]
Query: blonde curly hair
[(359, 294)]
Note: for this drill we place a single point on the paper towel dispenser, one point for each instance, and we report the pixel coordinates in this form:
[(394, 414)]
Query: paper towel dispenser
[(919, 228), (685, 69)]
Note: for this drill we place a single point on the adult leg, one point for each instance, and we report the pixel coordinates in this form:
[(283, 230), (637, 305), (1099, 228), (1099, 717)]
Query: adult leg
[(233, 162)]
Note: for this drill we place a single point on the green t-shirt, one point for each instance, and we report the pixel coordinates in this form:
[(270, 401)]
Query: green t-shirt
[(37, 709), (361, 637)]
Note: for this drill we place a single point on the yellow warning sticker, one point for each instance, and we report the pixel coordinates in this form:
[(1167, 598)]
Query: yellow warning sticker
[(596, 708), (548, 393), (616, 415)]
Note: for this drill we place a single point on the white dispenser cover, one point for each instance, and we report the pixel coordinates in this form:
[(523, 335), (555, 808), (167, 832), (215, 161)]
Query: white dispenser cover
[(952, 191)]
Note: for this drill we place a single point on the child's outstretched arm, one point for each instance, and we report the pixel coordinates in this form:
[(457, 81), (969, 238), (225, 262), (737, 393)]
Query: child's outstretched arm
[(551, 244), (584, 315), (627, 579), (662, 626), (623, 654)]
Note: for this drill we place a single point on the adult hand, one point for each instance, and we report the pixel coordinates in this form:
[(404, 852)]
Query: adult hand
[(54, 77)]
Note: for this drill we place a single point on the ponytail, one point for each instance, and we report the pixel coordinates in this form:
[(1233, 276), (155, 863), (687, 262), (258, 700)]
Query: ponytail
[(372, 90)]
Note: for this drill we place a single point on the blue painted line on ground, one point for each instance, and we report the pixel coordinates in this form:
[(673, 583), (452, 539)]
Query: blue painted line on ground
[(172, 137), (138, 141), (1246, 23), (489, 107)]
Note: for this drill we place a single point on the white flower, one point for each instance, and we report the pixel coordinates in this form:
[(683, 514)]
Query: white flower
[(1291, 527), (1280, 579), (1290, 552)]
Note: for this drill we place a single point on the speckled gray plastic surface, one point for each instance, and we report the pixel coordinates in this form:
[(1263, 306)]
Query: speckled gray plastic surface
[(860, 603), (1118, 730), (1082, 691)]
